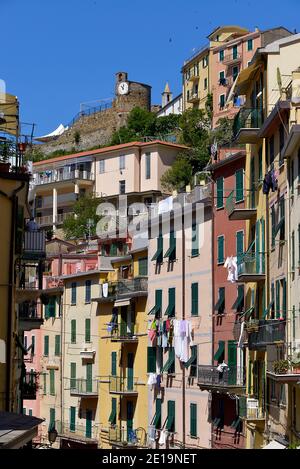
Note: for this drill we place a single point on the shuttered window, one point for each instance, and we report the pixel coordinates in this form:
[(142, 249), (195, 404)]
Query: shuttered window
[(114, 363), (171, 252), (148, 165), (73, 293), (157, 418), (156, 310), (158, 256), (220, 192), (277, 299), (170, 424), (45, 383), (170, 311), (195, 299), (193, 420), (88, 423), (73, 331), (57, 345), (239, 185), (195, 240), (113, 414), (52, 382), (73, 375), (221, 254), (46, 345), (151, 360), (239, 244), (32, 345), (72, 419), (143, 266), (87, 330), (88, 288)]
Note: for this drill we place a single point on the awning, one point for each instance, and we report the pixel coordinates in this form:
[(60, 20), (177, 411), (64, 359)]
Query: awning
[(125, 302), (240, 299), (169, 362), (16, 430), (154, 310), (247, 313), (220, 304), (158, 254), (274, 445), (192, 358), (220, 350), (245, 77), (53, 135), (157, 418)]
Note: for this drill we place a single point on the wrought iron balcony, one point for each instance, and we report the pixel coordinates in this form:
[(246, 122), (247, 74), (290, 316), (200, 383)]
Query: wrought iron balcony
[(30, 316), (251, 266), (231, 59), (84, 388), (124, 333), (269, 332), (34, 245), (251, 409), (246, 125), (125, 288), (125, 437), (30, 385), (244, 208), (86, 433), (232, 378), (123, 385), (193, 98)]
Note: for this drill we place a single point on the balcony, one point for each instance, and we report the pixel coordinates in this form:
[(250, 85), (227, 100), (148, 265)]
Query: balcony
[(121, 437), (123, 386), (34, 245), (231, 59), (247, 124), (284, 371), (30, 385), (241, 210), (69, 176), (125, 288), (251, 410), (269, 332), (193, 98), (251, 266), (232, 379), (124, 333), (86, 434), (30, 316), (47, 220), (84, 388)]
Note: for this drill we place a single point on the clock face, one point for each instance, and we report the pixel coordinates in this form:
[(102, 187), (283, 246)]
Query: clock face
[(123, 87)]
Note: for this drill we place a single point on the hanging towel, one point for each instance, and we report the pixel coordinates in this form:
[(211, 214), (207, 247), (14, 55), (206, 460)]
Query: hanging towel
[(151, 432), (105, 290), (162, 438), (152, 379)]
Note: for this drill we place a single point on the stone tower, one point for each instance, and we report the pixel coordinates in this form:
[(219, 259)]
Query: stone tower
[(167, 96)]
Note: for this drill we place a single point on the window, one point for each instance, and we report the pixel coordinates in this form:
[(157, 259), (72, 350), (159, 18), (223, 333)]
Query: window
[(51, 419), (52, 382), (73, 331), (235, 52), (222, 101), (282, 395), (157, 417), (113, 415), (46, 345), (157, 308), (195, 240), (283, 307), (24, 411), (277, 304), (205, 61), (239, 244), (193, 420), (192, 361), (194, 299), (148, 165), (250, 44), (122, 162), (25, 342), (114, 363), (188, 95), (170, 424), (50, 308), (72, 419), (169, 366), (171, 252), (143, 266), (102, 166), (73, 375), (220, 305), (122, 189), (170, 311), (239, 302), (220, 192), (221, 55), (73, 293), (151, 360), (205, 83), (235, 72), (158, 256), (32, 344), (222, 77), (87, 330), (88, 423), (221, 249), (57, 345), (239, 185), (88, 286)]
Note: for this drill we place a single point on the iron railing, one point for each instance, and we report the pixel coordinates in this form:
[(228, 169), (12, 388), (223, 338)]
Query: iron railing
[(231, 58), (124, 331), (11, 158), (251, 263), (90, 111), (232, 376), (30, 385), (83, 387), (247, 202), (126, 287), (81, 431), (29, 311), (123, 436), (122, 385), (247, 118), (269, 332)]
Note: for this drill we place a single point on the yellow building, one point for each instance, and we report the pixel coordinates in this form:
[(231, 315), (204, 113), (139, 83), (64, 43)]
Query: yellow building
[(122, 327)]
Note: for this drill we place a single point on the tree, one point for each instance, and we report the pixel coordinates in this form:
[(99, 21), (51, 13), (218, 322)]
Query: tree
[(223, 133), (179, 175), (84, 209)]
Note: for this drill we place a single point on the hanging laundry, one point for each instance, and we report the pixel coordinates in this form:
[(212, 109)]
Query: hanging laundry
[(152, 335), (162, 438), (222, 367), (105, 290), (164, 341), (231, 265), (270, 182), (158, 381), (152, 379), (151, 432)]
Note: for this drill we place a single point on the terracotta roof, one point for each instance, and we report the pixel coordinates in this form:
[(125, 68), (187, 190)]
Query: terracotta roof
[(107, 150)]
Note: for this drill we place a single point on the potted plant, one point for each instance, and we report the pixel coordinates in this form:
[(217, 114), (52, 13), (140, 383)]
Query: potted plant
[(296, 363), (4, 159), (281, 367)]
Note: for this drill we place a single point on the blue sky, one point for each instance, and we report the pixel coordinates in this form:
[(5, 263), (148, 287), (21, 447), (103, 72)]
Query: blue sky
[(59, 53)]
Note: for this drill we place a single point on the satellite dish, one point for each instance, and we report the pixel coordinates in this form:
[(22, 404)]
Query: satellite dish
[(279, 81)]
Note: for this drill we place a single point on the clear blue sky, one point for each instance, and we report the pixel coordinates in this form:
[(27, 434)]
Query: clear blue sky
[(59, 53)]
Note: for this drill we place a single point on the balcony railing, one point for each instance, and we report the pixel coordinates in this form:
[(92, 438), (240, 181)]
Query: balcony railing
[(34, 244), (249, 120), (244, 209), (250, 409), (124, 332), (122, 385), (84, 387), (65, 176), (30, 385), (30, 316), (124, 437), (47, 220), (210, 377), (270, 331), (251, 266), (193, 97), (125, 288), (232, 58), (66, 429)]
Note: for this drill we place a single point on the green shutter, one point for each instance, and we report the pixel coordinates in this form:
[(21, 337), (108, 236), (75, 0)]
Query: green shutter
[(195, 302), (32, 345), (239, 244), (51, 419), (46, 345), (88, 289), (220, 352), (239, 302), (283, 315), (72, 419), (52, 382), (73, 293), (73, 375), (221, 249), (113, 415), (170, 425), (193, 420), (87, 330), (273, 224), (52, 307), (157, 418), (89, 377), (252, 179), (232, 360), (73, 331), (158, 256), (130, 377), (170, 311), (114, 363), (57, 345), (151, 359), (220, 192), (158, 304), (88, 423), (277, 299), (169, 366), (239, 185), (171, 252), (195, 240), (143, 266), (220, 305)]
